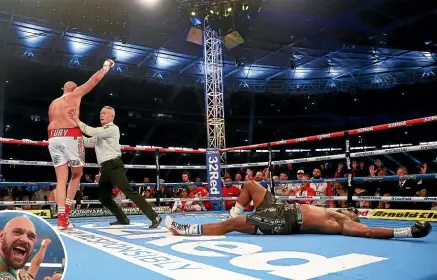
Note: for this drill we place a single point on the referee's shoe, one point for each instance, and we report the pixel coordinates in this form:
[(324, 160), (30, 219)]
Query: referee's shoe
[(156, 222)]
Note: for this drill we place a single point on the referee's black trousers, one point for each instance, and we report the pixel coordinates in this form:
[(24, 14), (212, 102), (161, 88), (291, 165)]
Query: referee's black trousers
[(113, 175)]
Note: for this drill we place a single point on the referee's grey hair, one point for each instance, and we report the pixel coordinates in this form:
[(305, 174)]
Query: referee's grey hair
[(109, 108)]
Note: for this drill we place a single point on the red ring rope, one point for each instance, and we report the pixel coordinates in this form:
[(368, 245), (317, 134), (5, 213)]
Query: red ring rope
[(254, 146)]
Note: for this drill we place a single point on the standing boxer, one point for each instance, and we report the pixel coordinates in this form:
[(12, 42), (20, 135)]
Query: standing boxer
[(106, 140), (66, 142)]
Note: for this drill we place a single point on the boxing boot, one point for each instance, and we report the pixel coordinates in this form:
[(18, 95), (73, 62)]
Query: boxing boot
[(63, 223), (182, 229)]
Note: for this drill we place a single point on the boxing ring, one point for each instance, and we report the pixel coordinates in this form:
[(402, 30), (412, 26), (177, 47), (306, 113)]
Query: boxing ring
[(98, 251)]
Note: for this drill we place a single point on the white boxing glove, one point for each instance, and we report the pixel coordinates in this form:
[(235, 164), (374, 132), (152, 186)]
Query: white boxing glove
[(108, 65)]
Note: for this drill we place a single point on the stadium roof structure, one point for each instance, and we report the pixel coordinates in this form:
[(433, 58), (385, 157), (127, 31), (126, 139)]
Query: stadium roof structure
[(308, 46)]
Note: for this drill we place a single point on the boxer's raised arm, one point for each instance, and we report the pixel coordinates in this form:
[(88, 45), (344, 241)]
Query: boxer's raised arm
[(38, 258), (94, 80)]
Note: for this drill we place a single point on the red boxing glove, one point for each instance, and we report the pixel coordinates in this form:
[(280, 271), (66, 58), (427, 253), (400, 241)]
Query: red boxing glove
[(115, 191)]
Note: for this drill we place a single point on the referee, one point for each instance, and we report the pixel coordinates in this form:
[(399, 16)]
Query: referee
[(106, 139)]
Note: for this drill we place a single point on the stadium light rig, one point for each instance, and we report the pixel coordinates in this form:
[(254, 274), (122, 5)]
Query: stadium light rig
[(203, 8)]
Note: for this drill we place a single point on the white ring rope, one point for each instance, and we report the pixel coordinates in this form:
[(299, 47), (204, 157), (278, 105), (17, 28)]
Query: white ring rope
[(315, 198), (298, 160)]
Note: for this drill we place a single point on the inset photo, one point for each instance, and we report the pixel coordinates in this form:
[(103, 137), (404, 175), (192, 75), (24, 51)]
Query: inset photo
[(30, 248)]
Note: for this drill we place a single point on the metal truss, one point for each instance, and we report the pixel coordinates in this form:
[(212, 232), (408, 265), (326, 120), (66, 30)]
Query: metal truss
[(213, 71), (347, 83)]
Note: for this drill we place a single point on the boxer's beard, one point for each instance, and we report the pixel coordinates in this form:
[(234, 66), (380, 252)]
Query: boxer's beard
[(7, 251)]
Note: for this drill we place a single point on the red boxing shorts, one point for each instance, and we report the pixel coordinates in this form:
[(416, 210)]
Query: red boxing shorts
[(66, 145)]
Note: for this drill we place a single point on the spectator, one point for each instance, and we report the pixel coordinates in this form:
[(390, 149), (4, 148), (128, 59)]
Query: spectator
[(230, 190), (305, 190), (165, 192), (424, 186), (41, 195), (340, 170), (88, 178), (379, 164), (11, 207), (278, 187), (97, 177), (24, 206), (184, 205), (147, 194), (340, 191), (19, 192), (363, 204), (119, 196), (238, 178), (141, 189), (359, 169), (290, 170), (299, 175), (322, 189), (422, 205), (186, 180), (198, 191), (385, 204), (284, 177), (404, 188), (249, 175), (259, 176)]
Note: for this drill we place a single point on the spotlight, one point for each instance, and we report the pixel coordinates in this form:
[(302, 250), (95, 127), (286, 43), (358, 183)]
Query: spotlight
[(193, 13), (229, 9), (211, 12)]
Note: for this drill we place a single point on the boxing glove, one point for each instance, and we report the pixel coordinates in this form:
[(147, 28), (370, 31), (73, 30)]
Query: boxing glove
[(421, 229), (418, 230), (108, 64)]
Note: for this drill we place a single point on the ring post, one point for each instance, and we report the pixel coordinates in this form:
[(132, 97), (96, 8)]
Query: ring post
[(213, 173), (349, 167), (272, 183)]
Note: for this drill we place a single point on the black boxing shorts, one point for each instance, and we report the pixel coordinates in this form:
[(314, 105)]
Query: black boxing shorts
[(268, 202), (279, 219)]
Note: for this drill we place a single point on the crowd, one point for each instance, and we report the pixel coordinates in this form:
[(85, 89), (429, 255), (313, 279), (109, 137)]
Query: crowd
[(411, 188)]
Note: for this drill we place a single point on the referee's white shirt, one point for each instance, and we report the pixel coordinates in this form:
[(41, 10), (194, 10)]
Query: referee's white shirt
[(105, 139)]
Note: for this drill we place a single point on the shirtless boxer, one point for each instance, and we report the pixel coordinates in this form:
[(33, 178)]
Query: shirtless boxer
[(66, 143), (272, 218), (17, 240)]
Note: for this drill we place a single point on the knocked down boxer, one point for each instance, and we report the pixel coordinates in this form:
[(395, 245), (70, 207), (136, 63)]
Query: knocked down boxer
[(66, 144), (272, 218)]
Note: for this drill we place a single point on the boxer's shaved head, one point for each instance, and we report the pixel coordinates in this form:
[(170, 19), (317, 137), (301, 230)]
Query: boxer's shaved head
[(69, 87), (17, 240)]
